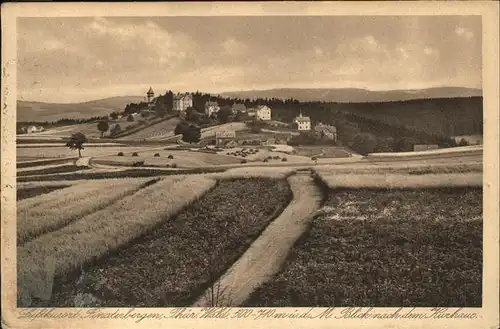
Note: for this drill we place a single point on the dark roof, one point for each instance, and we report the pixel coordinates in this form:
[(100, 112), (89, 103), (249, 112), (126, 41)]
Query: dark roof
[(330, 129), (150, 91), (239, 107), (303, 119)]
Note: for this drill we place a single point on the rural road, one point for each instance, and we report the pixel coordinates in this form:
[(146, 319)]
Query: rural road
[(266, 255)]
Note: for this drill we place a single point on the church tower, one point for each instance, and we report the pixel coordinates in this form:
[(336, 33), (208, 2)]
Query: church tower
[(150, 94)]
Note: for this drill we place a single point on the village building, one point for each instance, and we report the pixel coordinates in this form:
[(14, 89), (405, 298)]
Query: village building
[(224, 137), (303, 123), (263, 112), (239, 107), (326, 131), (211, 108), (182, 102), (34, 129), (150, 94)]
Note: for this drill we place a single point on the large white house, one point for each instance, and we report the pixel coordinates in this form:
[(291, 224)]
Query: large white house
[(211, 108), (303, 123), (182, 102), (263, 113)]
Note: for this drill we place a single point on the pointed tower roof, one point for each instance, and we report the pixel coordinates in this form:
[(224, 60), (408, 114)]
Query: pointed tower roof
[(150, 91)]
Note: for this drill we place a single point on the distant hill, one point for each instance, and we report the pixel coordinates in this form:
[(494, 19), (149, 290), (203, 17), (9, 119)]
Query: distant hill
[(38, 111), (350, 95)]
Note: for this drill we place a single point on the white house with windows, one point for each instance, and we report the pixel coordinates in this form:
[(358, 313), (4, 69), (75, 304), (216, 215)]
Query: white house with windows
[(303, 123), (182, 102), (263, 112), (211, 108)]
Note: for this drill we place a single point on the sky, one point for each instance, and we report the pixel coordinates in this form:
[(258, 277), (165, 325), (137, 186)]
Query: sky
[(85, 58)]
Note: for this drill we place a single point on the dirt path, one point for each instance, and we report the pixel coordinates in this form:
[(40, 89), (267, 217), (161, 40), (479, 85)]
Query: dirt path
[(266, 255)]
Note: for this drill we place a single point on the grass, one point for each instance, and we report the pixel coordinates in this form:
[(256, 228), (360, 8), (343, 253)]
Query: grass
[(119, 174), (51, 152), (52, 170), (52, 211), (28, 164), (254, 172), (185, 159), (64, 251), (30, 192), (322, 151), (386, 248), (402, 180), (183, 256)]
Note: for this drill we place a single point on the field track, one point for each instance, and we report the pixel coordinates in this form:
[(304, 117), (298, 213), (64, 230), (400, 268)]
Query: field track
[(265, 256)]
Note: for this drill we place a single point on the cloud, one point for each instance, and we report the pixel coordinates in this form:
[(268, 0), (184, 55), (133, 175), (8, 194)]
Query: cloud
[(464, 32)]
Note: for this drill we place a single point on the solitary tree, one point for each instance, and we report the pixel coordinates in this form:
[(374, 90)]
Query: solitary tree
[(181, 128), (103, 126), (192, 134), (76, 142), (224, 114), (130, 118)]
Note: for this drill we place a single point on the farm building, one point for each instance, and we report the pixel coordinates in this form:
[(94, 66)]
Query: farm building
[(326, 131), (424, 147), (263, 112), (225, 136), (182, 102), (303, 123), (239, 107), (211, 108)]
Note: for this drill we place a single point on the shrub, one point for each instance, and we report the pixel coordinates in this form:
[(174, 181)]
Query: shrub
[(364, 143), (120, 154), (138, 163), (463, 142), (265, 160), (244, 161), (135, 154), (284, 159), (314, 158), (174, 165), (269, 157), (170, 156), (157, 154)]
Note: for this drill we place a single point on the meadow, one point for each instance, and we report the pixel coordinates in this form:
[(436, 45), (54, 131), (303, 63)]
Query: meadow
[(385, 248), (182, 159)]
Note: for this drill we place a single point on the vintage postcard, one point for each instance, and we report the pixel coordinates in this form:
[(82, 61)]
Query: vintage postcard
[(247, 164)]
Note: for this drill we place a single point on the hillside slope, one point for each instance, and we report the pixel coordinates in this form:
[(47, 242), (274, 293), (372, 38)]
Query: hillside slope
[(448, 116), (38, 111)]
